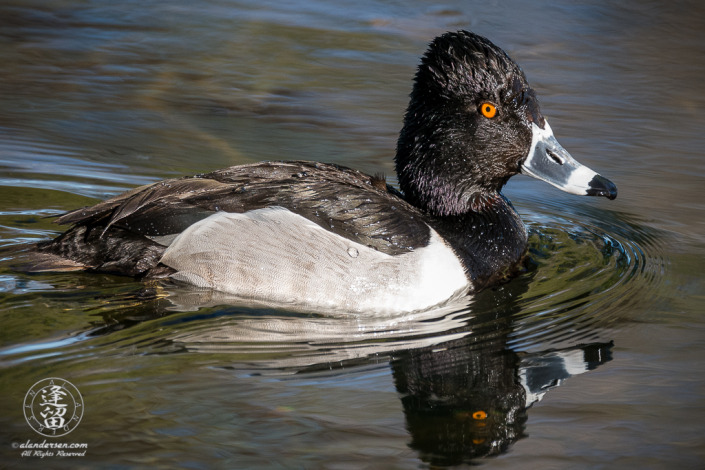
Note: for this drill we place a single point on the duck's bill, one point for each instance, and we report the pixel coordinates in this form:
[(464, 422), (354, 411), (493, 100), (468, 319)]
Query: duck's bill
[(550, 162)]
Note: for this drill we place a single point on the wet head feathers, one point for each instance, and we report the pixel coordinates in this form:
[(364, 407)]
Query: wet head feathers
[(448, 153), (463, 64)]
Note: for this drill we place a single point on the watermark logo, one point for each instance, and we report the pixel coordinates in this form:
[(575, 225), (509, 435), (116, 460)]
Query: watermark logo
[(53, 407)]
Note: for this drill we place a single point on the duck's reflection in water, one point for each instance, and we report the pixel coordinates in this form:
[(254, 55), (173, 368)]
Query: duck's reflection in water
[(466, 399), (464, 387)]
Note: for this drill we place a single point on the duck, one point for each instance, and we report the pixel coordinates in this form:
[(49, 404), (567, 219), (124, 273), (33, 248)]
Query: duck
[(327, 237)]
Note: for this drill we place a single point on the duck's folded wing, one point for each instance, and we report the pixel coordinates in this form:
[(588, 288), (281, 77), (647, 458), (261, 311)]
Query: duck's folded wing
[(134, 228)]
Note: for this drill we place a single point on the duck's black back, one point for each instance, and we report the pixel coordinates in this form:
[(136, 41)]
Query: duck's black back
[(127, 234)]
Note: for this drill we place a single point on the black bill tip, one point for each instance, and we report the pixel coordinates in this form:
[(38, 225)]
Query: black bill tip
[(601, 186)]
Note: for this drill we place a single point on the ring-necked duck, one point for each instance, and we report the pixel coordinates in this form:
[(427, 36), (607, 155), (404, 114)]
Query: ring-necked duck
[(328, 237)]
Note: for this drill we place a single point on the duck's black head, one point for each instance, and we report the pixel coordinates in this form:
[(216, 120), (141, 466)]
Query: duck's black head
[(473, 121)]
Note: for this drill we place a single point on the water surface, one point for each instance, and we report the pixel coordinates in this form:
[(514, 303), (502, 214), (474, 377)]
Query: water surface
[(590, 359)]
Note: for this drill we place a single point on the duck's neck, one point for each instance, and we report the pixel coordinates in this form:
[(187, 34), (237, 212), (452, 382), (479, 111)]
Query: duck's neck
[(491, 240)]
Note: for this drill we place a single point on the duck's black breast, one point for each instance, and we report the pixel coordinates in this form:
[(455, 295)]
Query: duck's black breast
[(491, 242), (132, 229)]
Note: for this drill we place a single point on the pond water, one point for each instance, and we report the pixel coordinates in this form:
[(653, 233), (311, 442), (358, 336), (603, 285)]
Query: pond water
[(593, 358)]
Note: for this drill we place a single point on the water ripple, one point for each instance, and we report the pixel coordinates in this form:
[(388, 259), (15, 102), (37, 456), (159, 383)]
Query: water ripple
[(587, 274)]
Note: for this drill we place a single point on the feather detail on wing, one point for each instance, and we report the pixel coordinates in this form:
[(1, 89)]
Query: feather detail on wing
[(127, 233)]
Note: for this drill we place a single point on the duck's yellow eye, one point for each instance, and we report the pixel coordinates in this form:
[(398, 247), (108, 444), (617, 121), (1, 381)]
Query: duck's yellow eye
[(488, 110), (480, 414)]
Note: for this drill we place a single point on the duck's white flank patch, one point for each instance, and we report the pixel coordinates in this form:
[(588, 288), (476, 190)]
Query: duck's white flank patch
[(276, 255)]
